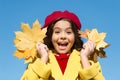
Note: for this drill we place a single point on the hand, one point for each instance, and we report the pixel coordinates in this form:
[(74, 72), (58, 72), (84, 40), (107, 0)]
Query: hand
[(88, 48), (42, 51)]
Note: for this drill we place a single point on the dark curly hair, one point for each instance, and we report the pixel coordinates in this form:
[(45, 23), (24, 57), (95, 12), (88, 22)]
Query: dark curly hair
[(48, 39)]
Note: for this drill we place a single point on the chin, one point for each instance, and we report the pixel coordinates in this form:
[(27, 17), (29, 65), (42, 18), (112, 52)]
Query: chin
[(62, 52)]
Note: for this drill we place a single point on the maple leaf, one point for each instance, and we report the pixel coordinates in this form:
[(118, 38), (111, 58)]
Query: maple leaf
[(84, 34), (98, 38), (26, 40)]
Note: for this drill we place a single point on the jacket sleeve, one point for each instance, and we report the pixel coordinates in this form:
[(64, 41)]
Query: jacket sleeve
[(94, 72), (37, 71)]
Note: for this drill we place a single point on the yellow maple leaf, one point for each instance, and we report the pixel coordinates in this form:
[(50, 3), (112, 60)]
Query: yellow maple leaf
[(84, 34), (98, 38), (93, 35), (26, 40)]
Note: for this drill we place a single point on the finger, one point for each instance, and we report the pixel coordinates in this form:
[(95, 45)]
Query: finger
[(93, 45), (46, 48), (88, 46), (38, 44)]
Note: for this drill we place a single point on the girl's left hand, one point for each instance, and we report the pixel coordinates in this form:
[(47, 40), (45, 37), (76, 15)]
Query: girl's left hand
[(88, 48)]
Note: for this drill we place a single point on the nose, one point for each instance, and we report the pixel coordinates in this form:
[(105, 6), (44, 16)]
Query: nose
[(63, 35)]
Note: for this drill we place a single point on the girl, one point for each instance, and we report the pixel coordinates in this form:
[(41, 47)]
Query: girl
[(63, 56)]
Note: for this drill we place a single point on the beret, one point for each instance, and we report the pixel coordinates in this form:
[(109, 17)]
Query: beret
[(65, 14)]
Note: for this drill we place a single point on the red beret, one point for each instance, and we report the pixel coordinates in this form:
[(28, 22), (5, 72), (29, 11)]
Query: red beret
[(59, 14)]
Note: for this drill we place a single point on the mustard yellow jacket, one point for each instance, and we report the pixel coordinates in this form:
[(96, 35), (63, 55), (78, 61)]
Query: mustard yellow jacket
[(52, 71)]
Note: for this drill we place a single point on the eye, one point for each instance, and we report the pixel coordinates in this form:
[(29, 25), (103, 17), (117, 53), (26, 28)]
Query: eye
[(69, 32), (56, 31)]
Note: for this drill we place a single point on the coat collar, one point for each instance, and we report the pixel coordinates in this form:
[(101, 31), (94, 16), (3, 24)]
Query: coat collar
[(72, 68)]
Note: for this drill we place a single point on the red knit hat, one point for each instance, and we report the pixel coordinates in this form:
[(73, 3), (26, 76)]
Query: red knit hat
[(59, 14)]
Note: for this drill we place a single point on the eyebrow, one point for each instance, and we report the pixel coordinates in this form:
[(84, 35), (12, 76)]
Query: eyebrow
[(59, 28)]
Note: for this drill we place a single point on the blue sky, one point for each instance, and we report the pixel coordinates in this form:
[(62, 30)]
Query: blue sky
[(101, 14)]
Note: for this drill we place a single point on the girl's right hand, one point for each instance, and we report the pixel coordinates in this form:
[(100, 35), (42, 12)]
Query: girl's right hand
[(42, 50)]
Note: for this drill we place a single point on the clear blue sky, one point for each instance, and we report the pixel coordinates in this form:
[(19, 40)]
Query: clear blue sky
[(101, 14)]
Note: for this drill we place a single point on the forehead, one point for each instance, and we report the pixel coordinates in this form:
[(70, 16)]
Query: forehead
[(62, 24)]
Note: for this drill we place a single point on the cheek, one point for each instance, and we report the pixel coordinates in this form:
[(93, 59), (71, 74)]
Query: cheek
[(54, 38), (72, 39)]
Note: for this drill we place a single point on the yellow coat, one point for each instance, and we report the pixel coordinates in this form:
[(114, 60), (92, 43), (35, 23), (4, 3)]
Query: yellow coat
[(52, 71)]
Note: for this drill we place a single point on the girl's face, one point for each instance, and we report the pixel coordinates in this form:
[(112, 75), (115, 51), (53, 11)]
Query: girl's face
[(63, 37)]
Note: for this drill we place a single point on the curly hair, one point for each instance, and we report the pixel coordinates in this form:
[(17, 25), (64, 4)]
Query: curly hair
[(48, 39)]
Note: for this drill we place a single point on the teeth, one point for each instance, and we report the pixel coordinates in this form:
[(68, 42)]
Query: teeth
[(63, 44)]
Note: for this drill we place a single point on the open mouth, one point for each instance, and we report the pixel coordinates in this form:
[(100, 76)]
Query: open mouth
[(62, 46)]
